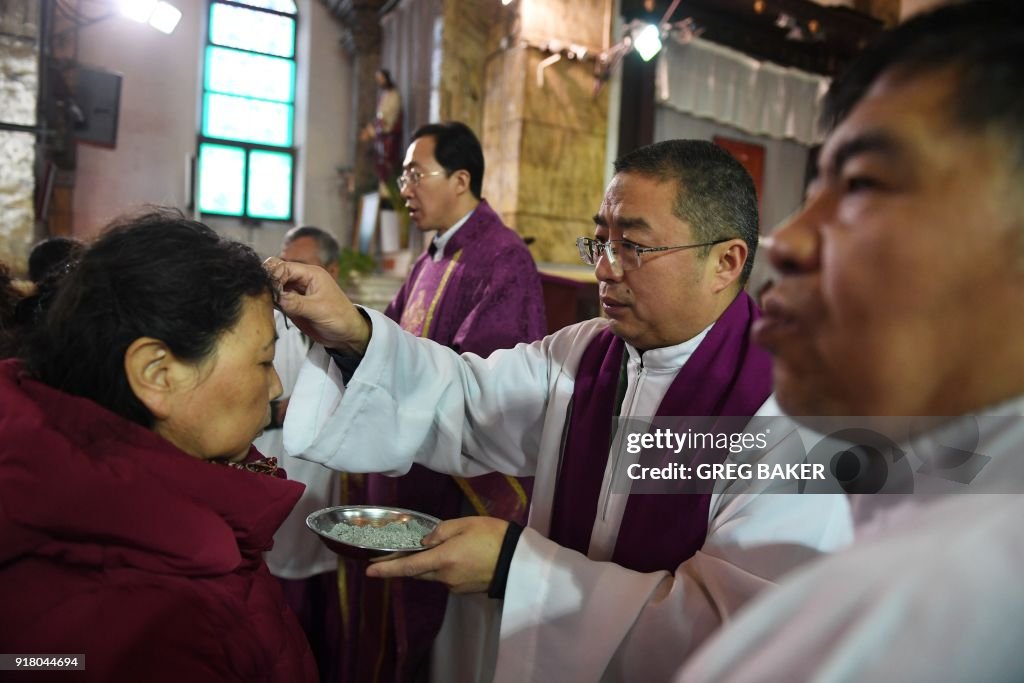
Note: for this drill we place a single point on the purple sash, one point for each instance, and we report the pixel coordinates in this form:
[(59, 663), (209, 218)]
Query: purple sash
[(727, 375)]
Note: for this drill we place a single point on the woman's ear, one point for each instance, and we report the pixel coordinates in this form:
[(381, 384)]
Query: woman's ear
[(150, 368), (728, 259)]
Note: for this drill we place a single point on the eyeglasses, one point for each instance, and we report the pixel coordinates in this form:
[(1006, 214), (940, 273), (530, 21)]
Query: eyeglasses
[(630, 255), (413, 176)]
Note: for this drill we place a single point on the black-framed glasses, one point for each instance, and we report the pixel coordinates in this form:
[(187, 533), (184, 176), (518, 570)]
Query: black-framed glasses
[(627, 253), (411, 177)]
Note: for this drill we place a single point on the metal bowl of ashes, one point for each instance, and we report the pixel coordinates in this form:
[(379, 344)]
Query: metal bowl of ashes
[(365, 531)]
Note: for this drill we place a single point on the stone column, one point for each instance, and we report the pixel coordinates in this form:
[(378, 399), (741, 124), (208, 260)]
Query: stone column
[(544, 144), (19, 85)]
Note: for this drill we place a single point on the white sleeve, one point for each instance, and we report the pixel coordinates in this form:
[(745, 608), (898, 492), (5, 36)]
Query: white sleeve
[(569, 618), (412, 400), (935, 601), (289, 353)]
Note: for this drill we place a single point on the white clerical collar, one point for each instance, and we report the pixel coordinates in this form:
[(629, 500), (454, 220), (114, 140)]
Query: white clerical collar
[(441, 240), (668, 357)]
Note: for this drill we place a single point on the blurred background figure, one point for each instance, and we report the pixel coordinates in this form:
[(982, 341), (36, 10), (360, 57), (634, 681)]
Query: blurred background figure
[(385, 131), (48, 262), (305, 568), (48, 256), (9, 298), (132, 496)]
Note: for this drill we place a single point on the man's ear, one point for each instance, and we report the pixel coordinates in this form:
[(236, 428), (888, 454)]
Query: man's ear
[(152, 374), (728, 259), (462, 180)]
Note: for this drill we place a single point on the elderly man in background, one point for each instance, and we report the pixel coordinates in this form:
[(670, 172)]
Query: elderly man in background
[(604, 584), (900, 294)]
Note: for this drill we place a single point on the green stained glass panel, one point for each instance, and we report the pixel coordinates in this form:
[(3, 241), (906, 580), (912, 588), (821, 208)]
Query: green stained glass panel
[(277, 5), (238, 118), (270, 185), (221, 179), (252, 30), (249, 75)]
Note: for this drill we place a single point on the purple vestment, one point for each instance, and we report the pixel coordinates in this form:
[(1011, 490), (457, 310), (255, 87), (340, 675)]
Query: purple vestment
[(727, 375), (483, 294)]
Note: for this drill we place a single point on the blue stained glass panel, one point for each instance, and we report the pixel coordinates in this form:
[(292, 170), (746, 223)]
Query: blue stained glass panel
[(270, 185), (245, 120), (249, 75), (252, 30), (278, 5), (221, 173)]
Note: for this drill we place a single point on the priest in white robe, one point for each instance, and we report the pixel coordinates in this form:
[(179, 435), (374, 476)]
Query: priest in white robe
[(602, 584)]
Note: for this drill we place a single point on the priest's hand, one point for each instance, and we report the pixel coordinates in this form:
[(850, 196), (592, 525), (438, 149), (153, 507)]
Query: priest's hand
[(315, 303), (463, 557)]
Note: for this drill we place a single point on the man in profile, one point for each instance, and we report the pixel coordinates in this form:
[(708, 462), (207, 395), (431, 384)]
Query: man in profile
[(900, 293)]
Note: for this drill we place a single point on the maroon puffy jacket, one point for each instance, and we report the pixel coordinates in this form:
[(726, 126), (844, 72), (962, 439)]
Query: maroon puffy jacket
[(116, 545)]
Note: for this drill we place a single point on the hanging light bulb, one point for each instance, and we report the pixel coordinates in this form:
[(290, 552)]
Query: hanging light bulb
[(165, 17), (648, 42), (138, 10)]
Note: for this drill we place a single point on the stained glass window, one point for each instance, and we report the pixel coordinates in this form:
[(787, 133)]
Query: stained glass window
[(247, 120), (250, 75), (246, 158), (286, 6), (221, 172), (270, 185), (253, 30)]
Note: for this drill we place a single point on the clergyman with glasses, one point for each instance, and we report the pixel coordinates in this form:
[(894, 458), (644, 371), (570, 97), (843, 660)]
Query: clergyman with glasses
[(475, 290), (601, 585)]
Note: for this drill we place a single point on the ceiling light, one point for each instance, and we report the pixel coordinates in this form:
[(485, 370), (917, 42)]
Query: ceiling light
[(138, 10), (648, 42), (165, 17), (785, 21)]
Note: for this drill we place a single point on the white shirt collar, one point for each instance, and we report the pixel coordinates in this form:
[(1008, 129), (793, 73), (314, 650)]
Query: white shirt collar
[(668, 357), (441, 240)]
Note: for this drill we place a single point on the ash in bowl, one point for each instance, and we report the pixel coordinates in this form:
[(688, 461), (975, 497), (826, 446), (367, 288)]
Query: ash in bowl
[(366, 531), (393, 536)]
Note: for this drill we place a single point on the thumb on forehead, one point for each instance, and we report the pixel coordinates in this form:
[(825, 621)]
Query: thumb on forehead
[(287, 275), (275, 267), (291, 303)]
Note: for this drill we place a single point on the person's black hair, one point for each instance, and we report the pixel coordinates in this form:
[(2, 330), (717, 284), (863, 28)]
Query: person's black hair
[(981, 42), (48, 256), (156, 275), (328, 250), (9, 298), (714, 193), (389, 83), (456, 148)]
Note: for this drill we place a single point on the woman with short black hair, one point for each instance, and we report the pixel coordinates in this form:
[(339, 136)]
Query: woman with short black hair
[(130, 530)]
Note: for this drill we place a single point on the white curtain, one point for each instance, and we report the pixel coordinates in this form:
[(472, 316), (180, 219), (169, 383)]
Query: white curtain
[(714, 82), (408, 46)]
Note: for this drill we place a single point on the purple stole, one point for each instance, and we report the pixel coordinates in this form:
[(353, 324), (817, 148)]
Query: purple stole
[(427, 291), (726, 376)]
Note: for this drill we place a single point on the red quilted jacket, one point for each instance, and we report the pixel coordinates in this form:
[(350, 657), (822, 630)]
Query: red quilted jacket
[(116, 545)]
